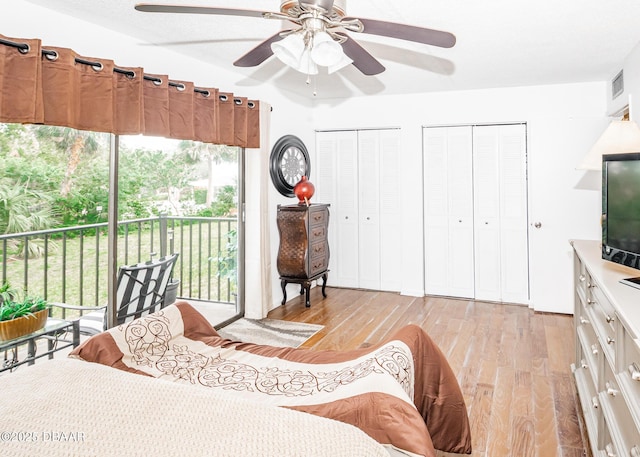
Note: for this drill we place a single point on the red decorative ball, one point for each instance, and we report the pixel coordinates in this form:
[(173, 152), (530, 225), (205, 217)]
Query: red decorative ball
[(304, 190)]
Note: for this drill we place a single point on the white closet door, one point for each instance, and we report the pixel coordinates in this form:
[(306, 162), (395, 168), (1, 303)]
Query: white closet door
[(369, 208), (448, 211), (359, 176), (324, 177), (486, 198), (513, 214), (346, 213), (390, 210), (501, 255), (461, 221)]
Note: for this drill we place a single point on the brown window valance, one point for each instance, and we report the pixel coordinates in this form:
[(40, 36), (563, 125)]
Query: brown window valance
[(56, 86)]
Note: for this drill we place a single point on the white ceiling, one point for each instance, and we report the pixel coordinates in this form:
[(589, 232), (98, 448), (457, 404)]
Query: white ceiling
[(499, 42)]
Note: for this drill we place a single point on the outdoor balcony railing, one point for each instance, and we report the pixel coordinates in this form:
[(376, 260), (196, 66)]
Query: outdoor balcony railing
[(70, 264)]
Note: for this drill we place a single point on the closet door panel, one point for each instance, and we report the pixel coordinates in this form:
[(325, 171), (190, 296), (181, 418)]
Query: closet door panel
[(324, 176), (513, 211), (369, 209), (390, 211), (486, 181), (346, 214), (436, 211), (448, 211), (460, 204)]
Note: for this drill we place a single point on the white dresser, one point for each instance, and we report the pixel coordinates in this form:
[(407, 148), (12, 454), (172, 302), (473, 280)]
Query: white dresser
[(607, 367)]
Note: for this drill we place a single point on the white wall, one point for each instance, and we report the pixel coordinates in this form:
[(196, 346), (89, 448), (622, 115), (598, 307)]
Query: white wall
[(563, 122)]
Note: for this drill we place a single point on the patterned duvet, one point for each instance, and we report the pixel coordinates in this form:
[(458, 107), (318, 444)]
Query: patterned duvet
[(401, 392)]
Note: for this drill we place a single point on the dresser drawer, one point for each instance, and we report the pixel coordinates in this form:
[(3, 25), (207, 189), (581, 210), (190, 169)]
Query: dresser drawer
[(629, 372), (318, 249), (589, 358), (317, 233), (580, 277), (608, 447), (318, 265), (318, 217), (602, 319), (603, 306), (622, 429)]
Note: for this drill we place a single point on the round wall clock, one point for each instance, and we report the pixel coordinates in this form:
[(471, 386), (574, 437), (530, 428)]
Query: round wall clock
[(289, 161)]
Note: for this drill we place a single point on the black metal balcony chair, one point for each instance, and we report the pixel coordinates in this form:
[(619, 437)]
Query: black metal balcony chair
[(141, 291)]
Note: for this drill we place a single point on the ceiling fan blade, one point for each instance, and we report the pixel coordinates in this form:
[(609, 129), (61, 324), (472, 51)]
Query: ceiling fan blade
[(362, 60), (258, 54), (408, 32), (156, 8)]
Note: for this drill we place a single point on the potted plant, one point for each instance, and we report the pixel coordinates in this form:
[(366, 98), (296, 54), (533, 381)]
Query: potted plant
[(20, 317)]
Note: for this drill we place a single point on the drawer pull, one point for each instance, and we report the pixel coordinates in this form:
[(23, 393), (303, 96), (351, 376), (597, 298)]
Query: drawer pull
[(609, 319), (594, 349), (583, 321), (590, 302), (634, 452), (582, 278), (594, 403), (610, 340), (610, 390), (583, 364), (634, 371), (609, 450)]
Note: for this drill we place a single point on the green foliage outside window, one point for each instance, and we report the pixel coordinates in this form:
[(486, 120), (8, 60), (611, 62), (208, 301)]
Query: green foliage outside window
[(54, 177)]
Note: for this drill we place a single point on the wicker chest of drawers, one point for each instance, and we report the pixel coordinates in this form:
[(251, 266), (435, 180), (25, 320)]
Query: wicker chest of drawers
[(303, 254)]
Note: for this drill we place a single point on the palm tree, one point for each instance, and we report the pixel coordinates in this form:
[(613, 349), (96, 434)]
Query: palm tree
[(74, 143), (214, 154), (24, 210)]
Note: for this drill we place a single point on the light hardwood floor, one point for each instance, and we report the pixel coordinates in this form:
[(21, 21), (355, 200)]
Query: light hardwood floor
[(513, 364)]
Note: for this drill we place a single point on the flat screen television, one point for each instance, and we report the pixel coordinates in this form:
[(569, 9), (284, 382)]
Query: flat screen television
[(621, 210)]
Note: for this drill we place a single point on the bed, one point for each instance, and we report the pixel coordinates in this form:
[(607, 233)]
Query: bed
[(399, 397)]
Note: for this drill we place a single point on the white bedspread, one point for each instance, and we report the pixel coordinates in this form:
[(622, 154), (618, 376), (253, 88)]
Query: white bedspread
[(70, 407)]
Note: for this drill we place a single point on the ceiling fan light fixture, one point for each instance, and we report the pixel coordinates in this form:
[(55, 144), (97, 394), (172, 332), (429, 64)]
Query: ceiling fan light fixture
[(306, 64), (343, 62), (325, 51), (289, 50)]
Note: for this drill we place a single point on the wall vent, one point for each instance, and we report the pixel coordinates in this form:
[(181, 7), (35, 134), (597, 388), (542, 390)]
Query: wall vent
[(617, 85)]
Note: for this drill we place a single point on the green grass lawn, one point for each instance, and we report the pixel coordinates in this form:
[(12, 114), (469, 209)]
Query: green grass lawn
[(75, 269)]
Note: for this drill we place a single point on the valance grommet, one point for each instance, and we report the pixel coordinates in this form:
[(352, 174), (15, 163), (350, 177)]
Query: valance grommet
[(50, 55)]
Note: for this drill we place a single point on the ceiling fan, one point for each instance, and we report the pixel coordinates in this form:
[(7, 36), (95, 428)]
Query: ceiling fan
[(320, 37)]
